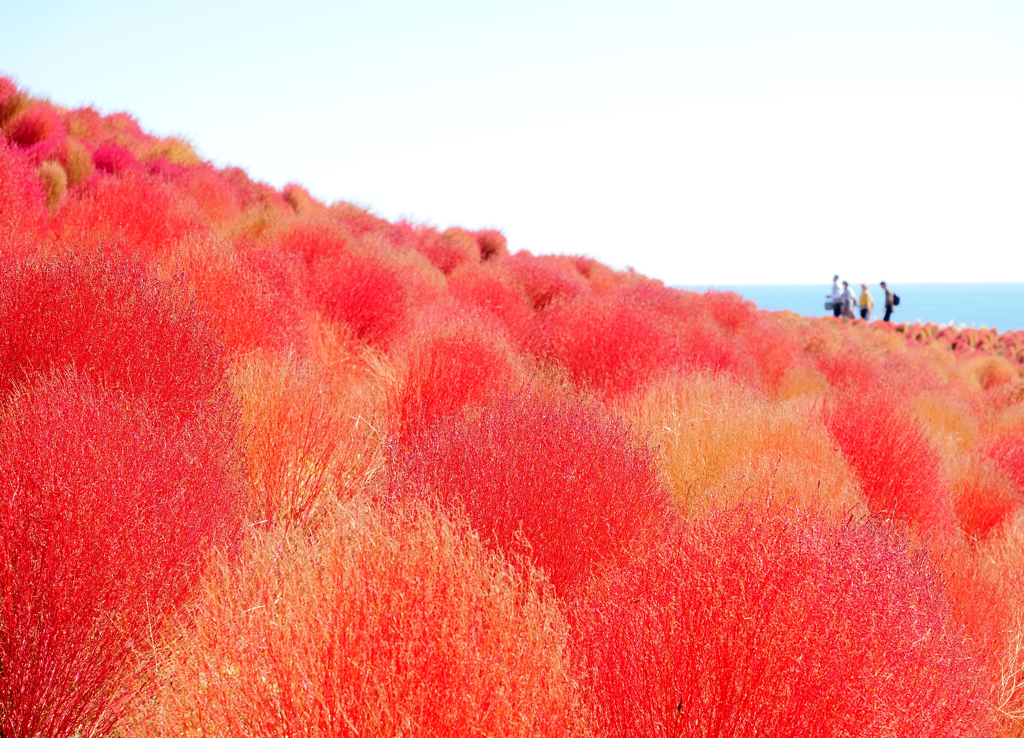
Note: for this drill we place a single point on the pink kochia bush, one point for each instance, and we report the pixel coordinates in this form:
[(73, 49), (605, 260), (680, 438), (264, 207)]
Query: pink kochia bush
[(111, 158), (778, 623), (561, 474), (117, 432)]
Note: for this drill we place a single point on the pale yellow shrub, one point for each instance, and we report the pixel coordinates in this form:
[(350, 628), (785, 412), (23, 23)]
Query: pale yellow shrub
[(721, 442)]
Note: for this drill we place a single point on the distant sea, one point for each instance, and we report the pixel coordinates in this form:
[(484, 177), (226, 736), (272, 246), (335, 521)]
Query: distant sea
[(999, 305)]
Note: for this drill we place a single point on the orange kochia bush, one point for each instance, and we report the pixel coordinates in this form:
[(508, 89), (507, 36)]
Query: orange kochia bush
[(384, 623)]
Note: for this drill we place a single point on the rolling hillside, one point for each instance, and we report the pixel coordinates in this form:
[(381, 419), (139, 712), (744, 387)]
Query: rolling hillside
[(271, 466)]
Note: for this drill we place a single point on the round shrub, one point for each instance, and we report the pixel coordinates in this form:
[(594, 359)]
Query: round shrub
[(561, 475), (773, 622)]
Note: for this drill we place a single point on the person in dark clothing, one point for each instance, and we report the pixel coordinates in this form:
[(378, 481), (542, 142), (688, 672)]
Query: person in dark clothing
[(837, 305), (889, 302)]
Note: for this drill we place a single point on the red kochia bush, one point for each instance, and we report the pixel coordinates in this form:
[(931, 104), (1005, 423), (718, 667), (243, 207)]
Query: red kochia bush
[(898, 469), (849, 370), (107, 319), (107, 507), (1007, 451), (777, 623), (256, 194), (545, 279), (601, 278), (22, 203), (985, 499), (562, 473), (449, 366), (315, 241), (243, 304), (493, 244), (704, 344), (364, 291), (774, 351), (448, 250), (111, 158), (729, 310), (490, 291), (36, 123), (286, 274), (137, 213), (607, 342), (11, 99), (119, 429), (215, 197)]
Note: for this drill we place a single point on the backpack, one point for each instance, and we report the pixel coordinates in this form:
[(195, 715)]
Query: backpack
[(895, 299)]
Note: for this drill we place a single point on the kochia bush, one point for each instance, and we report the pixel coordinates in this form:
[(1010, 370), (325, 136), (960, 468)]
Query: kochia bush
[(109, 320), (985, 498), (244, 305), (546, 279), (111, 158), (492, 291), (560, 473), (107, 509), (140, 215), (609, 343), (118, 432), (1006, 450), (899, 470), (381, 625), (36, 123), (449, 366), (364, 291), (22, 204), (777, 623), (448, 250)]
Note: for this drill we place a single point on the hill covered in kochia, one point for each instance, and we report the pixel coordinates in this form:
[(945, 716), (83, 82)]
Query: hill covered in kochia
[(272, 466)]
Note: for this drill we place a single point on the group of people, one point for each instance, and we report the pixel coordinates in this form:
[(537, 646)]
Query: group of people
[(844, 303)]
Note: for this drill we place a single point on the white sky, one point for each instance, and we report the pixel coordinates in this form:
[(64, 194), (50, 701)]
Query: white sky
[(723, 142)]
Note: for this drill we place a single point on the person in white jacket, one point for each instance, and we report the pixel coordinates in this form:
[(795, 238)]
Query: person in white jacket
[(837, 305)]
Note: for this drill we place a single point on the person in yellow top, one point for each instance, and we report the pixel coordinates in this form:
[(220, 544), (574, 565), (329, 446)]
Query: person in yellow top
[(866, 303)]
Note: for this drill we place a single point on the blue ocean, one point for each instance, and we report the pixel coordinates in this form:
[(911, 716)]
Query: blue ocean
[(998, 305)]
